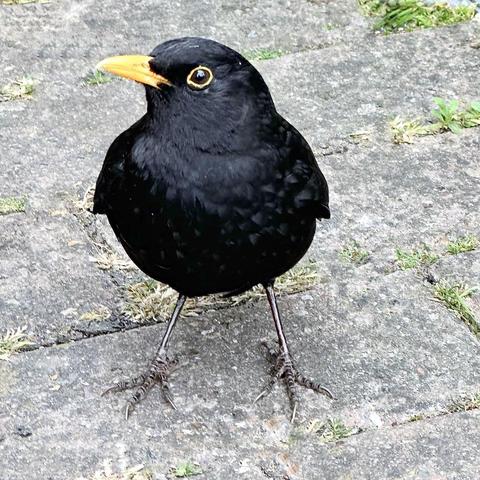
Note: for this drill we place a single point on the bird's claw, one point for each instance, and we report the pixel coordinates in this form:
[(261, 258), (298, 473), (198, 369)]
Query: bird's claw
[(284, 368), (158, 372)]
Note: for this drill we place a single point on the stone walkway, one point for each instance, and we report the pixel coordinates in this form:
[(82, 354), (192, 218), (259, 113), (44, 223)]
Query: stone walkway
[(404, 368)]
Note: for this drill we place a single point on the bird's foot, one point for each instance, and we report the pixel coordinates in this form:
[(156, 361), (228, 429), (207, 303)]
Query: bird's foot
[(157, 373), (283, 367)]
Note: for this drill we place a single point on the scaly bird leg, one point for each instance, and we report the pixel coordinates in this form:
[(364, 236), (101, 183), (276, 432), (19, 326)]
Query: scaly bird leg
[(283, 366), (158, 372)]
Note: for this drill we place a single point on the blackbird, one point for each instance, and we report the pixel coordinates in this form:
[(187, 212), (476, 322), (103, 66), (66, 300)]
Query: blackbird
[(212, 190)]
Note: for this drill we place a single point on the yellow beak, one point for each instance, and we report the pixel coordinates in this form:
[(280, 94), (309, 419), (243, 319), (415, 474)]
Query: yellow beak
[(133, 67)]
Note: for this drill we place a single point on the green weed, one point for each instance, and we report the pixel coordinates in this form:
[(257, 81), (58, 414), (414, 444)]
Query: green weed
[(404, 131), (97, 78), (465, 403), (354, 253), (330, 431), (463, 244), (13, 341), (263, 54), (186, 469), (415, 258), (454, 296), (407, 15), (448, 115), (10, 205), (20, 89)]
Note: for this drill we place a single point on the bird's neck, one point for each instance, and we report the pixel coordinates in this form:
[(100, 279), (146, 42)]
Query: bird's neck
[(210, 131)]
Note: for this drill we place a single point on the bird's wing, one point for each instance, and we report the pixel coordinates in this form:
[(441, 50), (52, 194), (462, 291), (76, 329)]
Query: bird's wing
[(312, 188), (112, 175)]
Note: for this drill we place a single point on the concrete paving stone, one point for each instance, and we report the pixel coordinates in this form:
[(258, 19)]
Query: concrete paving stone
[(379, 345), (72, 29), (443, 448), (47, 277)]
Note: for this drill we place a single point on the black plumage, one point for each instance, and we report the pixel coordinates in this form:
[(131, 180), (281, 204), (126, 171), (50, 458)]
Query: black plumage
[(211, 190)]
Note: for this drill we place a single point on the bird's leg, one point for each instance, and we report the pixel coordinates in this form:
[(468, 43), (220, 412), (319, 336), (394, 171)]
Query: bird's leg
[(283, 366), (158, 371)]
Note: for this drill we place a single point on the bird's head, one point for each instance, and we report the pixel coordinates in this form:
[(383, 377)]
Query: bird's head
[(196, 81)]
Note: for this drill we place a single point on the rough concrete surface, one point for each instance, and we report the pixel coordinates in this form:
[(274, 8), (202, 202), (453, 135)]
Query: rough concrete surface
[(396, 359)]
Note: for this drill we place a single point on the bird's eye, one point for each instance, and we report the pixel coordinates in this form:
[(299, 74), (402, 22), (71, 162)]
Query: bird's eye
[(199, 78)]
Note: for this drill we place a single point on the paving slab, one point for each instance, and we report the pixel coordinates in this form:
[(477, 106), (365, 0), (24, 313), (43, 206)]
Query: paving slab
[(48, 278), (372, 333), (380, 347), (83, 29), (439, 449)]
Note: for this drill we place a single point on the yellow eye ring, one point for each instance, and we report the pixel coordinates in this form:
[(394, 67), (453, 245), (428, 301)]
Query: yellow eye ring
[(199, 78)]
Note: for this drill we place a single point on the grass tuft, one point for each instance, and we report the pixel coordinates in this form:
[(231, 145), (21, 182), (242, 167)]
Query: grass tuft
[(85, 203), (151, 300), (107, 259), (448, 116), (463, 244), (416, 418), (354, 253), (465, 403), (186, 469), (263, 54), (330, 431), (415, 258), (97, 78), (20, 89), (98, 314), (13, 341), (454, 296), (361, 136), (10, 205), (407, 15), (404, 131)]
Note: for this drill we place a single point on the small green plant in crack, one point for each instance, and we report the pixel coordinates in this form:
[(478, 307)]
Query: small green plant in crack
[(354, 253), (447, 115), (415, 258), (13, 341), (97, 78), (454, 297), (407, 15), (404, 131), (10, 205), (416, 418), (263, 54), (470, 117), (333, 430), (98, 314), (20, 89), (463, 244), (186, 469), (465, 403)]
